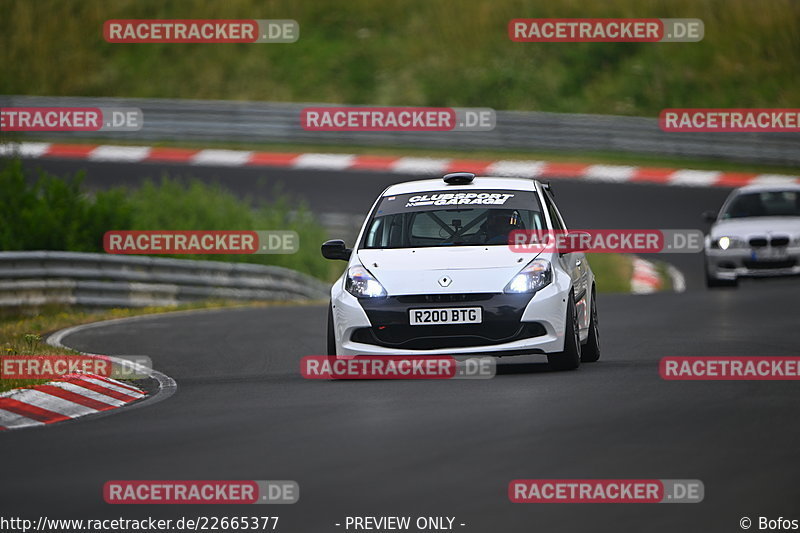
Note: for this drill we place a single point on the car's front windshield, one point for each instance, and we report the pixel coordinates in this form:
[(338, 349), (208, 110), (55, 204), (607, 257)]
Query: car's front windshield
[(764, 204), (452, 219)]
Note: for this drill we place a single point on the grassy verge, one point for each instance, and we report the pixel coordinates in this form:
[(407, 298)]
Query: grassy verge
[(612, 272), (56, 213), (416, 52)]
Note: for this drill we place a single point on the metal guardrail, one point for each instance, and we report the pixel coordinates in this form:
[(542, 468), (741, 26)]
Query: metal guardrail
[(265, 122), (30, 279)]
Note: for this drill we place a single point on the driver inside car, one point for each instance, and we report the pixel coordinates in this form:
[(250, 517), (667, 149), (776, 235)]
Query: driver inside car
[(499, 223)]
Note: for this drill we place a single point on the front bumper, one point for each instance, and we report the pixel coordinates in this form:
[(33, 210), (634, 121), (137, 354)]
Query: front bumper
[(749, 262), (512, 324)]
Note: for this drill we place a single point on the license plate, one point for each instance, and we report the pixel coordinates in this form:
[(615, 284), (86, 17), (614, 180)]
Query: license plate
[(445, 315), (770, 254)]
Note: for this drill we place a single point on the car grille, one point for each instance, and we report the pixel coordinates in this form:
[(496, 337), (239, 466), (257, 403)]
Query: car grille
[(447, 336), (443, 298), (775, 241)]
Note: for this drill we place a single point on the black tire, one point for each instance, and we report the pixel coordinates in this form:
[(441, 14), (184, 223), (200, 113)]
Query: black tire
[(590, 352), (331, 335), (712, 282), (570, 358), (331, 340)]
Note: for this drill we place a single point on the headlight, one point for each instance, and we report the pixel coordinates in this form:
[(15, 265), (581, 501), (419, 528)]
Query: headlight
[(361, 284), (724, 243), (533, 277)]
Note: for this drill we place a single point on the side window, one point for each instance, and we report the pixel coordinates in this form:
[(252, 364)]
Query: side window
[(373, 234), (555, 217)]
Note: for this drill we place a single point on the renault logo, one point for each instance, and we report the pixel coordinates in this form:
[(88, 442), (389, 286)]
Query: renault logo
[(445, 281)]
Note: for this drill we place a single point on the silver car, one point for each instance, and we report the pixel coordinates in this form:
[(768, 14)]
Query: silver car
[(755, 234)]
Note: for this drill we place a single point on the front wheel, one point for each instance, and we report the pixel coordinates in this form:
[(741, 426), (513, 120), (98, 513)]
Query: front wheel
[(570, 358), (331, 334), (712, 282), (590, 352), (331, 339)]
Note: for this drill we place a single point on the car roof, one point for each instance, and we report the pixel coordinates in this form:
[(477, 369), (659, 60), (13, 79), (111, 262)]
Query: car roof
[(484, 182), (766, 187)]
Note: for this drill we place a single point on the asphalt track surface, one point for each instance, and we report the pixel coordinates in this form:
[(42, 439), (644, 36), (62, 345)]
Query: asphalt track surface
[(443, 448)]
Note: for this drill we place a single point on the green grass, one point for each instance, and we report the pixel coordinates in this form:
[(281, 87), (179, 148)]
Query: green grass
[(415, 52), (612, 272), (56, 213), (194, 205)]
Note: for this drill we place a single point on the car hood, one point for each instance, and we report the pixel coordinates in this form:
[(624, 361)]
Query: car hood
[(754, 226), (444, 270)]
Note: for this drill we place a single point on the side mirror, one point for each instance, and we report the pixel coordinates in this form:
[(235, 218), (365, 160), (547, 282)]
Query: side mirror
[(578, 242), (336, 249), (710, 216)]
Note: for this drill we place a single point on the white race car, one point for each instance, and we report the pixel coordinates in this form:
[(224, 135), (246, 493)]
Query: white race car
[(756, 234), (432, 273)]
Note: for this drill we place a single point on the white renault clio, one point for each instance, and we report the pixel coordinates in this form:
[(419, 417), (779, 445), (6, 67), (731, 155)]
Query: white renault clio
[(432, 273)]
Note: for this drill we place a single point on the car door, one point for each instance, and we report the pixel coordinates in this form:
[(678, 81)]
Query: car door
[(572, 262)]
